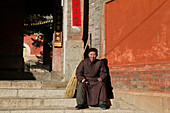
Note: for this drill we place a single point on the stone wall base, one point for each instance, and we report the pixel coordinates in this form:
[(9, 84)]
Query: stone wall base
[(146, 101)]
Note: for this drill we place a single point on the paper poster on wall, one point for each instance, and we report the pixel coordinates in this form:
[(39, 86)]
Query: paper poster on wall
[(76, 14)]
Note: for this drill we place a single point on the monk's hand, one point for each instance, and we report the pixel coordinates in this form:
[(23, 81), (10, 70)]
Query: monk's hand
[(83, 80), (99, 79)]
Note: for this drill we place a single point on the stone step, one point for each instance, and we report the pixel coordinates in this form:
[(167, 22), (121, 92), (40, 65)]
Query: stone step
[(69, 110), (18, 103), (32, 93), (45, 103), (31, 84)]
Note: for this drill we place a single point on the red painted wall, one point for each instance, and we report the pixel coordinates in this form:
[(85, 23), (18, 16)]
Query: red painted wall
[(138, 44), (34, 51), (137, 31)]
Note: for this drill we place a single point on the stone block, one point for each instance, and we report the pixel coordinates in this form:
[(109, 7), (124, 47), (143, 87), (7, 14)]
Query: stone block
[(92, 111), (114, 104), (70, 68), (6, 93), (5, 112), (46, 76), (142, 101), (54, 85), (116, 111), (60, 102), (19, 103), (5, 84), (38, 111), (166, 105), (41, 93), (74, 52), (74, 43), (155, 104), (42, 76), (57, 75), (74, 111), (26, 84), (148, 103)]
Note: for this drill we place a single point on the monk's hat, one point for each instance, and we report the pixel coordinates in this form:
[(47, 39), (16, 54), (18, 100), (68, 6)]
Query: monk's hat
[(93, 50)]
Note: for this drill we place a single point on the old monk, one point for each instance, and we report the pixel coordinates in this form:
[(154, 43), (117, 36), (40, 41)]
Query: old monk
[(91, 74)]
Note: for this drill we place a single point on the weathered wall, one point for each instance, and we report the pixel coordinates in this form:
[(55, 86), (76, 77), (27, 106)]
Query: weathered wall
[(138, 44), (137, 34)]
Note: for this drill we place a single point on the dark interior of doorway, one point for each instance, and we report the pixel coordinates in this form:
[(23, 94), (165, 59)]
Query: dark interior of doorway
[(85, 26), (35, 10)]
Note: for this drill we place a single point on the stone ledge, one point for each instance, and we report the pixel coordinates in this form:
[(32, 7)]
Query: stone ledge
[(30, 84), (43, 93), (20, 84), (6, 93), (18, 103), (69, 110), (32, 93)]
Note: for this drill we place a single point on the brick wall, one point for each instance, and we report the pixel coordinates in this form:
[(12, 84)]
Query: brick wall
[(94, 23), (146, 77)]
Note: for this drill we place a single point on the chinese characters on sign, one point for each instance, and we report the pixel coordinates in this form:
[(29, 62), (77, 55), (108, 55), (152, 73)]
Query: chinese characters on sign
[(58, 26), (76, 16), (58, 17), (57, 40)]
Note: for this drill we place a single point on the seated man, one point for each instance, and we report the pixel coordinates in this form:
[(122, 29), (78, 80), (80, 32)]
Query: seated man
[(91, 89)]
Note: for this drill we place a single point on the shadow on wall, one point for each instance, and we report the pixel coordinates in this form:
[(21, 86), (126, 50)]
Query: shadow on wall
[(15, 75)]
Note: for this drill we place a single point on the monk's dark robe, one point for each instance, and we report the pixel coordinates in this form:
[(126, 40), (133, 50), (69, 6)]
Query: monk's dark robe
[(95, 90)]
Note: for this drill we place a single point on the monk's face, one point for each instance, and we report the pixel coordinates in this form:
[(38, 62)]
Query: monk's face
[(92, 55)]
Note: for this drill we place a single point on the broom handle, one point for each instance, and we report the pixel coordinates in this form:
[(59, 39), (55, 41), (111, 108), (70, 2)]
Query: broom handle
[(83, 53), (85, 47)]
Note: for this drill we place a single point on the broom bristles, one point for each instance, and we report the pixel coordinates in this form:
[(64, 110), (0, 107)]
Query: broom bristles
[(71, 86)]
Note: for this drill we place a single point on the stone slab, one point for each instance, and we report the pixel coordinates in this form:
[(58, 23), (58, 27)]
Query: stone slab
[(5, 112), (6, 93), (5, 84), (26, 84), (60, 102), (43, 93), (38, 111), (54, 85), (68, 111), (19, 103), (144, 101)]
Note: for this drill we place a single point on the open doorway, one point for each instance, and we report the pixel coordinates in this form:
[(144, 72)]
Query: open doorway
[(38, 35)]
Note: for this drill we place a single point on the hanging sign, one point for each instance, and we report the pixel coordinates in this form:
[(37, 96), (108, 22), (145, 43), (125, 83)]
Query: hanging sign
[(76, 15), (58, 18), (57, 40), (58, 25)]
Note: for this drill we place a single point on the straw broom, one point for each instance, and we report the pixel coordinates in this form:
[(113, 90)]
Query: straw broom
[(72, 84)]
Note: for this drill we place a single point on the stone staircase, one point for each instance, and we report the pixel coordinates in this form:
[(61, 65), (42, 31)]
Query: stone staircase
[(47, 97)]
